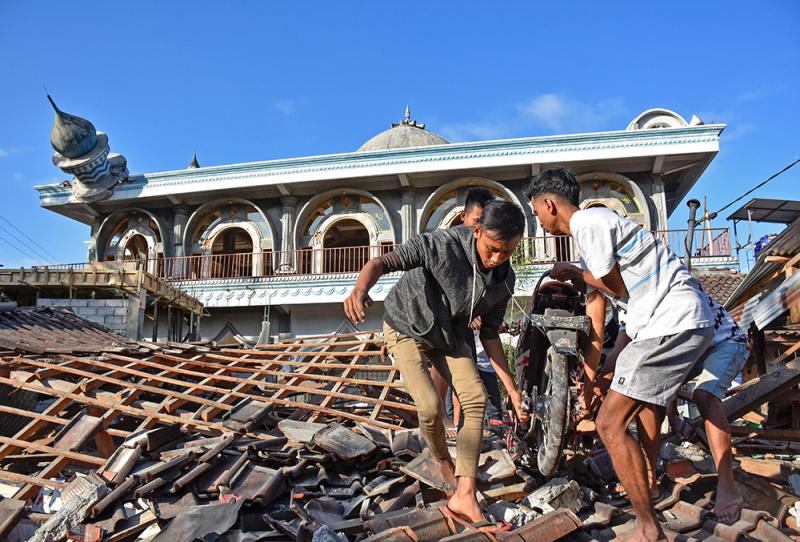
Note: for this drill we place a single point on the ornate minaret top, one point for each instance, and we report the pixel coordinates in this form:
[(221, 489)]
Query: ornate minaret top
[(83, 152)]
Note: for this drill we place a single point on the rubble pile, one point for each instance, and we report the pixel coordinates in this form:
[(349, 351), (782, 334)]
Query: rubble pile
[(309, 440)]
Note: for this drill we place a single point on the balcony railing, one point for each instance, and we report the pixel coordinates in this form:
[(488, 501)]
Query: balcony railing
[(331, 261)]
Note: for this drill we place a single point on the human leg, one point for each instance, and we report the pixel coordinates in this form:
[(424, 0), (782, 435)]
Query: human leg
[(648, 425), (411, 358), (721, 364), (469, 391), (728, 501), (616, 413), (494, 405)]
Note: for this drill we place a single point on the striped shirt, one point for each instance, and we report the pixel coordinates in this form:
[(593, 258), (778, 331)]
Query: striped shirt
[(663, 297)]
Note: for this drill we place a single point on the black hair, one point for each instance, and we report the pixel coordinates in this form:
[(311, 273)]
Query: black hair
[(504, 219), (479, 196), (558, 181)]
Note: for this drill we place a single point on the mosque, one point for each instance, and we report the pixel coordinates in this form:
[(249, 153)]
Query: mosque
[(282, 240)]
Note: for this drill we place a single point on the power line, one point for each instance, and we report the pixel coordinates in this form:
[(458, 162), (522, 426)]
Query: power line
[(18, 249), (54, 258), (38, 254), (756, 187)]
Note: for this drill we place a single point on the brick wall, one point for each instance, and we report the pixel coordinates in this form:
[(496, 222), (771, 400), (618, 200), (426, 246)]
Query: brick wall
[(112, 313)]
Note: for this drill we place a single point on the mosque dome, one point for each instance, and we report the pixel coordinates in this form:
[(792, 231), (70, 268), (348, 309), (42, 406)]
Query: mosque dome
[(71, 136), (407, 133)]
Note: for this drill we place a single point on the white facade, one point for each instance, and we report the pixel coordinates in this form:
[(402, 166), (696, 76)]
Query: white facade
[(291, 233)]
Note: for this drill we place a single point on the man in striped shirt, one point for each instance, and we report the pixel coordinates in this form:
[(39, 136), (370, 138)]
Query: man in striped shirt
[(669, 323)]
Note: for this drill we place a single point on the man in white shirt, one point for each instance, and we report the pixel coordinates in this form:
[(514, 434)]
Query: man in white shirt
[(668, 321)]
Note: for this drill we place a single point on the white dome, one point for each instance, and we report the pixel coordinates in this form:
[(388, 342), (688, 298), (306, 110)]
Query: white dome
[(408, 133)]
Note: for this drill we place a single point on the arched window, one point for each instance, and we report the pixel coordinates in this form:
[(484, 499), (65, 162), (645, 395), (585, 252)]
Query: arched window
[(130, 236), (136, 248), (228, 240), (343, 205), (443, 208), (339, 232), (617, 193)]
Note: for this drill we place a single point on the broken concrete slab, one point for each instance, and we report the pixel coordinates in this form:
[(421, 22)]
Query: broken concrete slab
[(84, 494), (343, 442), (298, 431), (556, 494), (515, 514), (496, 465)]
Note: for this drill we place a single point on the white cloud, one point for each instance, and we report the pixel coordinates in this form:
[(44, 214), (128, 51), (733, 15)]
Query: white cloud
[(735, 130), (14, 149), (551, 111), (759, 93), (564, 114), (469, 131), (284, 106), (18, 176), (738, 131)]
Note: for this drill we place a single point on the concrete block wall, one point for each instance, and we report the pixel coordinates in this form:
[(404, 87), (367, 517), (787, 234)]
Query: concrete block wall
[(111, 313)]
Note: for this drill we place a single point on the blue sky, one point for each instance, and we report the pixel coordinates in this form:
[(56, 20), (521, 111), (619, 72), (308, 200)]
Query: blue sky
[(248, 81)]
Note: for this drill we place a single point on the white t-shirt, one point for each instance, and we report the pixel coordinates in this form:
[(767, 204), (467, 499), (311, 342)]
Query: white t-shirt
[(663, 297), (725, 328)]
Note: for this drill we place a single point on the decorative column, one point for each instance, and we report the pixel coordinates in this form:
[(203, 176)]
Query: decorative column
[(288, 258), (178, 229), (658, 222), (408, 214), (91, 244)]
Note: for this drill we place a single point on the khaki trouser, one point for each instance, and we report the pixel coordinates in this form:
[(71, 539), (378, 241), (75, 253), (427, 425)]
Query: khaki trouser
[(459, 369)]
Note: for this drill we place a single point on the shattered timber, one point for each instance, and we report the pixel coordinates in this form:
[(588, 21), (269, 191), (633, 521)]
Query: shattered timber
[(309, 439)]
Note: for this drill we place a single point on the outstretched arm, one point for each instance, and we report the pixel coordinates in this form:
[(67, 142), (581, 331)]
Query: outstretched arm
[(355, 305), (497, 357)]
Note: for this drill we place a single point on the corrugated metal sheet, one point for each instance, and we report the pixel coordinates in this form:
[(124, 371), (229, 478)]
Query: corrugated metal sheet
[(786, 244)]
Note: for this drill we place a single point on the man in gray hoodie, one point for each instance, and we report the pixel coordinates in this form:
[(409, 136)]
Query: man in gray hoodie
[(451, 276)]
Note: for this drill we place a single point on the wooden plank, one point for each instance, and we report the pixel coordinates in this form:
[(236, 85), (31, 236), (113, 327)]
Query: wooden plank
[(761, 390), (52, 419), (786, 435), (134, 386), (228, 378), (246, 386), (31, 480), (384, 393), (384, 367), (36, 447), (301, 376), (168, 418), (326, 402)]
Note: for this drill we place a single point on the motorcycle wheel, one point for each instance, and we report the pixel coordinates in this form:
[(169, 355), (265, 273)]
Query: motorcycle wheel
[(554, 384)]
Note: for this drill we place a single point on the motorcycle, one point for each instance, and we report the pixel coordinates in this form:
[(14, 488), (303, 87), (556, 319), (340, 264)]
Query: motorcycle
[(549, 371)]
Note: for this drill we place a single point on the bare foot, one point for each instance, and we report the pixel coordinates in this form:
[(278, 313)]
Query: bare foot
[(466, 506), (728, 506), (645, 533)]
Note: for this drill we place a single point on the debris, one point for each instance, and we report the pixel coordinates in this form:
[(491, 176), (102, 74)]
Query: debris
[(555, 494), (515, 514), (496, 465), (302, 432), (427, 470), (312, 441), (699, 457), (83, 494), (343, 442)]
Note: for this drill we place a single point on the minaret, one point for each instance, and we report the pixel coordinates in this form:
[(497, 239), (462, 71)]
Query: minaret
[(83, 152)]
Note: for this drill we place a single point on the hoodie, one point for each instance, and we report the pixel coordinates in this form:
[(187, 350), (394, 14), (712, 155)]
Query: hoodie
[(433, 301)]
